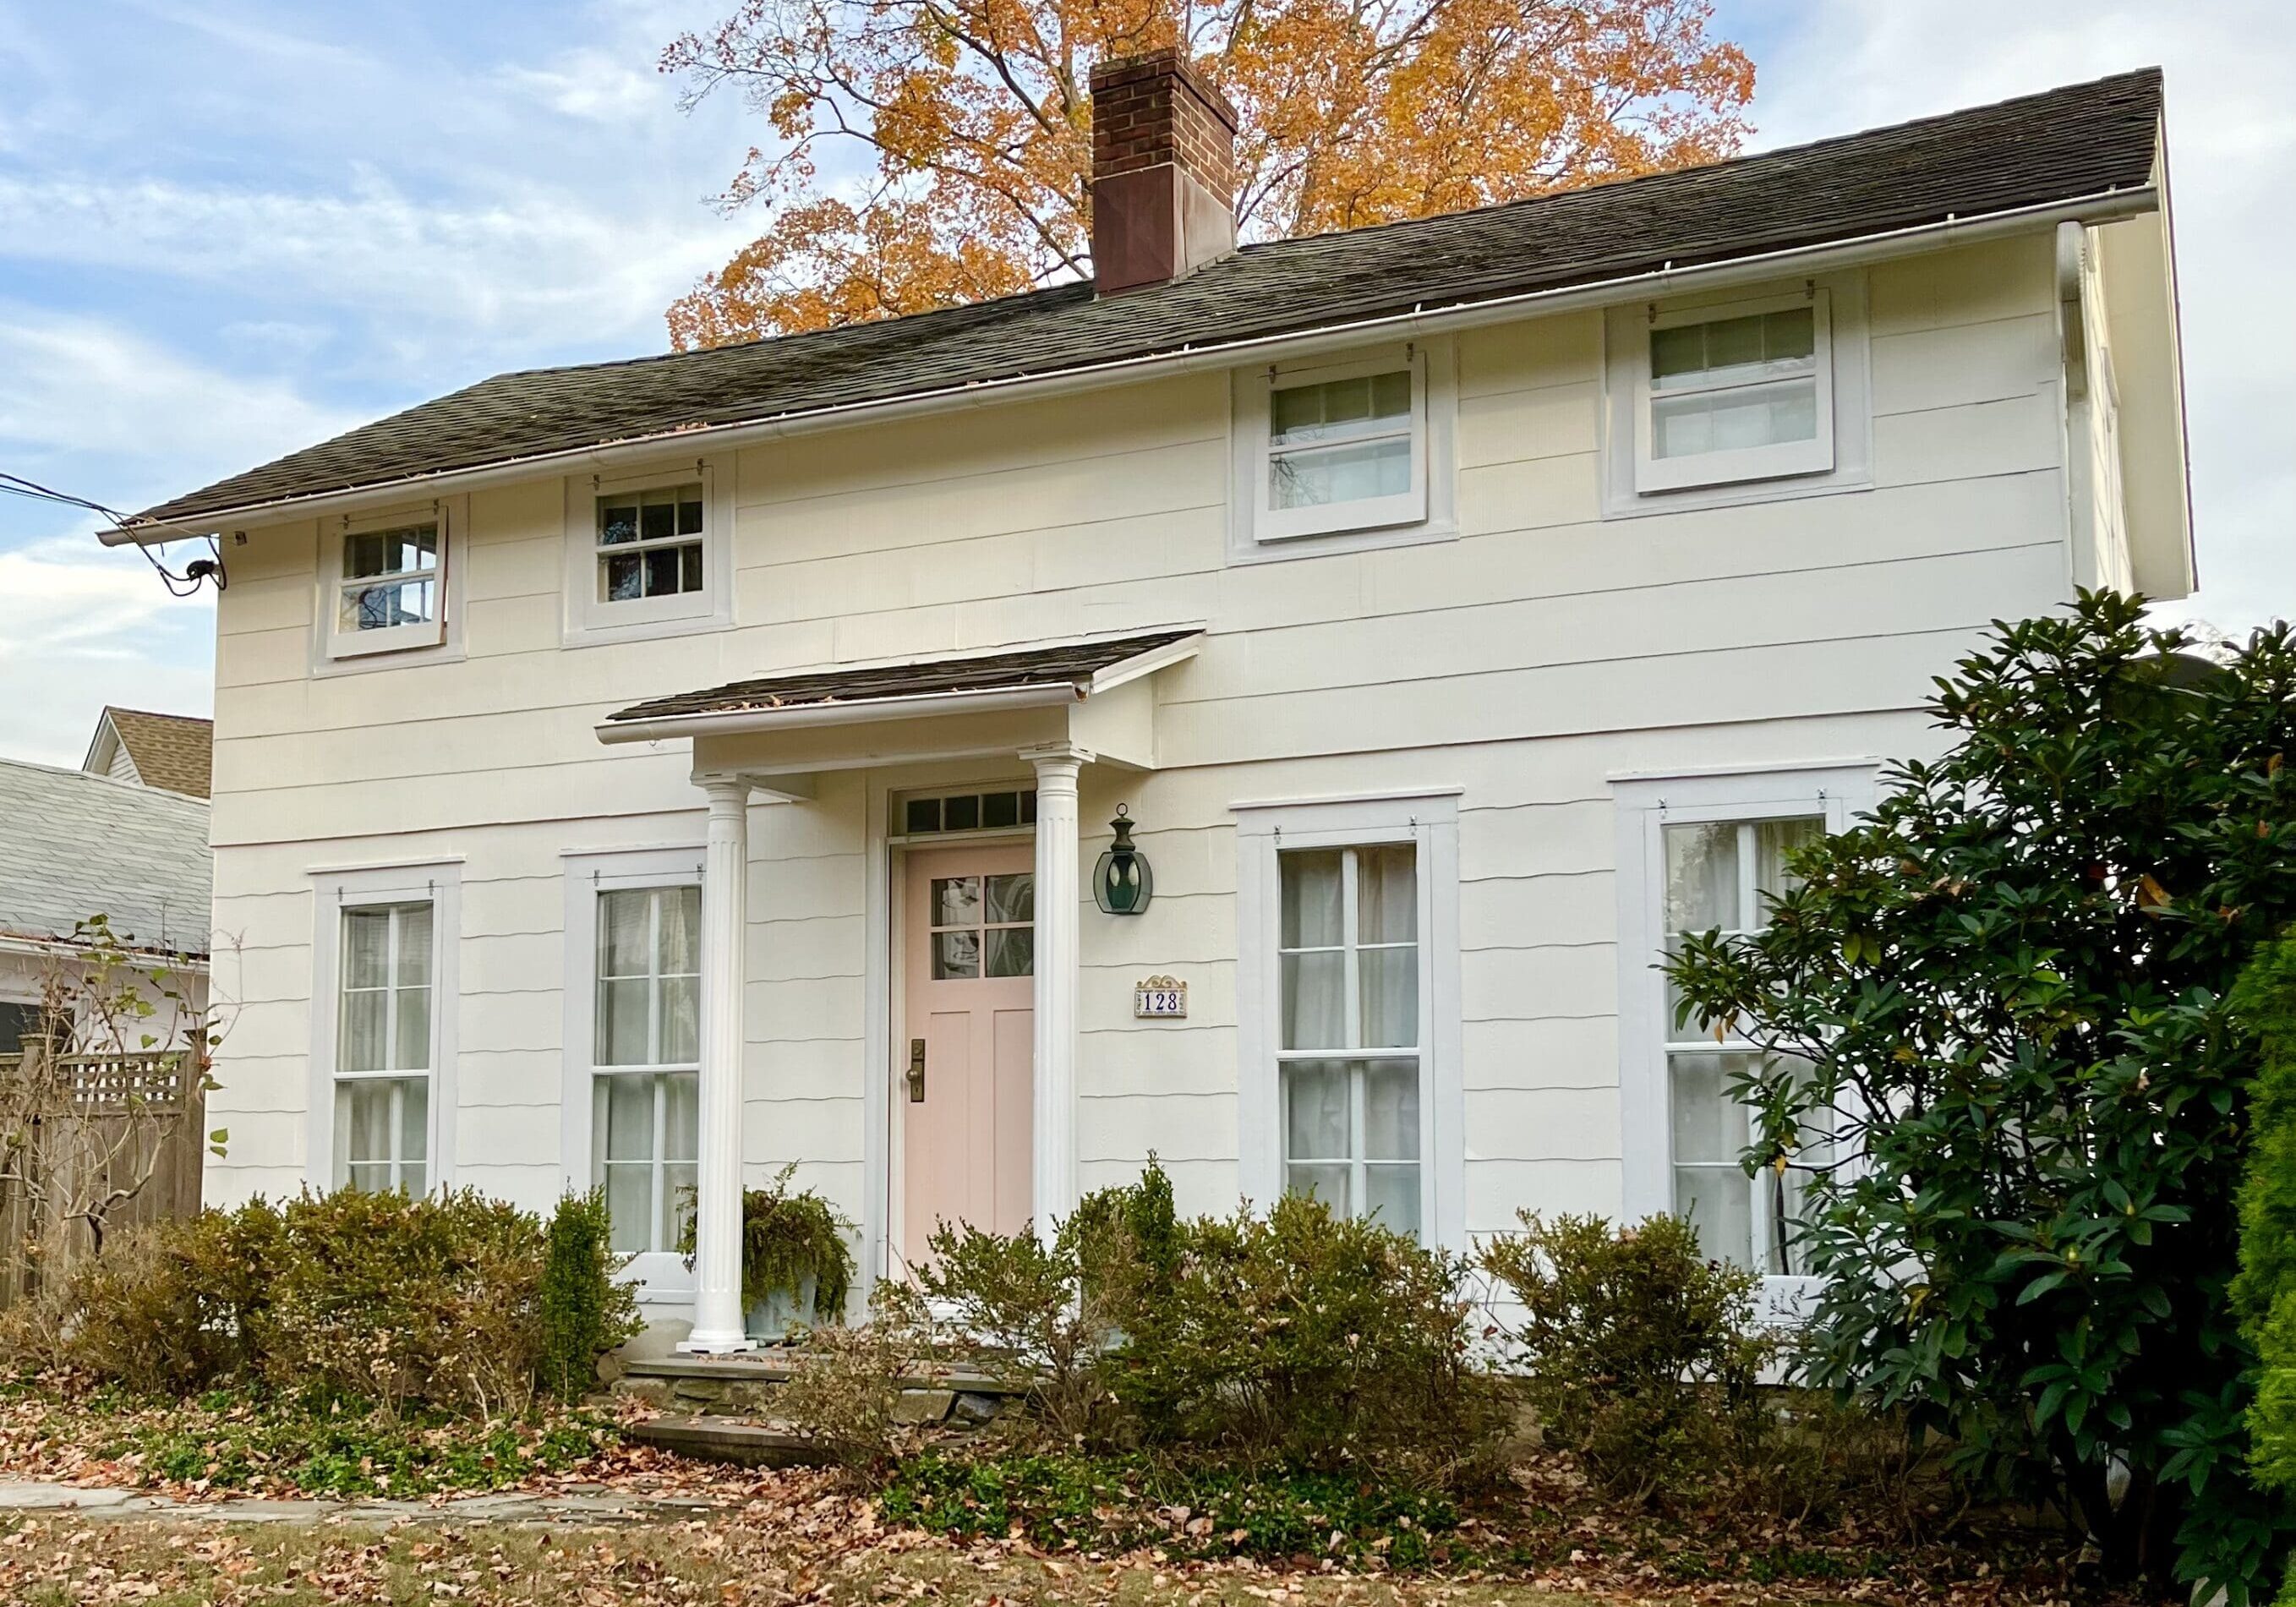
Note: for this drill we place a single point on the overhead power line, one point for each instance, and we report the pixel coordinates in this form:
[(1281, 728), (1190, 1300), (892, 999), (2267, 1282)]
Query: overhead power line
[(195, 574)]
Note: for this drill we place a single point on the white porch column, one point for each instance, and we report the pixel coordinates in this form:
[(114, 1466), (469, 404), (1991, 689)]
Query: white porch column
[(1054, 1172), (718, 1322)]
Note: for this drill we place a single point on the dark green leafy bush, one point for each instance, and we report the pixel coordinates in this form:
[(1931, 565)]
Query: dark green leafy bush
[(585, 1310), (2007, 994), (788, 1237), (1643, 1356)]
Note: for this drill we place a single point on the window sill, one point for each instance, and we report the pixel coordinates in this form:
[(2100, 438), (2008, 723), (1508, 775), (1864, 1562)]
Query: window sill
[(1247, 549), (1733, 494), (660, 1277), (586, 634), (398, 658)]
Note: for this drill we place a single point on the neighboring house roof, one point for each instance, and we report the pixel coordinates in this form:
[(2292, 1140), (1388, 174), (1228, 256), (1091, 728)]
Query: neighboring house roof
[(74, 845), (2068, 144), (171, 751), (1075, 666)]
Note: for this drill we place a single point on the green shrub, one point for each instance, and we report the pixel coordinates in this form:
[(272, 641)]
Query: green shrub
[(585, 1310), (1315, 1342), (172, 1307), (402, 1302), (1298, 1340), (2007, 993), (1643, 1356), (2265, 1292)]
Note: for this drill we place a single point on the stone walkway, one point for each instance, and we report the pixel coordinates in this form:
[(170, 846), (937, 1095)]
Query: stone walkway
[(569, 1508)]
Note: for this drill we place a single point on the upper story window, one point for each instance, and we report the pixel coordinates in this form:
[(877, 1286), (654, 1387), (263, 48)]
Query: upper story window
[(1737, 398), (384, 583), (1357, 451), (648, 553), (649, 543)]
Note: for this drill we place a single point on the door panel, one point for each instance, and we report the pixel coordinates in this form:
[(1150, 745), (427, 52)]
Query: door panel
[(968, 995)]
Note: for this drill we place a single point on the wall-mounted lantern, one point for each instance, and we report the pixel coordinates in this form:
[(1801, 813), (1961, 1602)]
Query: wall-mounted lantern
[(1121, 883)]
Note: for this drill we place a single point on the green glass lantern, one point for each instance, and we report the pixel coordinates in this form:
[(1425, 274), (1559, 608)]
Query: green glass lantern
[(1122, 882)]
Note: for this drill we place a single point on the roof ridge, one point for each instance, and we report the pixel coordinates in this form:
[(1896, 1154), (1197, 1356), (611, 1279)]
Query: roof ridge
[(76, 773)]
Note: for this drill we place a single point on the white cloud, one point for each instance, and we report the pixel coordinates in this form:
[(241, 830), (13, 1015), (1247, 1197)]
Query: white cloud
[(591, 84), (1835, 66), (89, 389), (80, 627)]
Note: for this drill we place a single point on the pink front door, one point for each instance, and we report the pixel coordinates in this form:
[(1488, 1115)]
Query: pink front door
[(969, 1002)]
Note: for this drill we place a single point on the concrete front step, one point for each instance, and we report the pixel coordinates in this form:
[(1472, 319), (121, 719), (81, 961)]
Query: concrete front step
[(715, 1439)]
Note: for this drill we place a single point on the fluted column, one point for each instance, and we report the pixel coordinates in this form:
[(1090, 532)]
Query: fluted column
[(717, 1321), (1054, 1174)]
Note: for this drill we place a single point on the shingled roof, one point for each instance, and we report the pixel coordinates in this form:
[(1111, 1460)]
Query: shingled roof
[(2063, 145), (174, 753), (74, 845), (1073, 664)]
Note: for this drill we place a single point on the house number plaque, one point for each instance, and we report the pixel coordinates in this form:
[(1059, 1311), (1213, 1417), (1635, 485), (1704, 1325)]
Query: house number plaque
[(1159, 998)]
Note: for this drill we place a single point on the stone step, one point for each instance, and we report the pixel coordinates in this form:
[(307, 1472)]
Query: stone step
[(717, 1440), (780, 1366)]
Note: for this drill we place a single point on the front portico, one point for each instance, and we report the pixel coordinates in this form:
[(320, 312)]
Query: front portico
[(1055, 708)]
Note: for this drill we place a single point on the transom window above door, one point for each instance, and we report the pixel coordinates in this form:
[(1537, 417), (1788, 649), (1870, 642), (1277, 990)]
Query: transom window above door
[(651, 543), (983, 926), (996, 810)]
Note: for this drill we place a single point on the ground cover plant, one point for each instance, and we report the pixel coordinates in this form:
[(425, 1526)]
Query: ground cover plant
[(2007, 997)]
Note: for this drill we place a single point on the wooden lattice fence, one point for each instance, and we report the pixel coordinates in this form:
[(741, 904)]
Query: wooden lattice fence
[(155, 1099)]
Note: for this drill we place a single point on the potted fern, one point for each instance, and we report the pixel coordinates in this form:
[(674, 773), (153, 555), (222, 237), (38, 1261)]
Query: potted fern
[(797, 1267)]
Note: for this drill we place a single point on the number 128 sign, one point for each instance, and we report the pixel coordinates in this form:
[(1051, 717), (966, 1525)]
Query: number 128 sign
[(1159, 998)]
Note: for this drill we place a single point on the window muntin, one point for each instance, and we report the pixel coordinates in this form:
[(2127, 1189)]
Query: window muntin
[(1349, 1031), (1340, 440), (1000, 809), (650, 543), (646, 1011), (1725, 874), (1734, 393), (1339, 447), (383, 584), (983, 926), (384, 1032)]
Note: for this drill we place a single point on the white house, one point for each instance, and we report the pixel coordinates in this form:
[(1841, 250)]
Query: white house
[(656, 772)]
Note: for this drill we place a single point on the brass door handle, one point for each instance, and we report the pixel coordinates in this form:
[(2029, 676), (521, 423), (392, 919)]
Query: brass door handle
[(916, 1070)]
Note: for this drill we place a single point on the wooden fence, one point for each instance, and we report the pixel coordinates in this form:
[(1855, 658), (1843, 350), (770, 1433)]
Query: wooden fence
[(150, 1108)]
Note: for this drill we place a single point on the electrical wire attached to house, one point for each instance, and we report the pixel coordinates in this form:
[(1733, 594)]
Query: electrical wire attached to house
[(194, 574)]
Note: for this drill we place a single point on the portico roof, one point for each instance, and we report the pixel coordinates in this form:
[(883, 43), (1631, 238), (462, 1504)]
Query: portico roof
[(1016, 676)]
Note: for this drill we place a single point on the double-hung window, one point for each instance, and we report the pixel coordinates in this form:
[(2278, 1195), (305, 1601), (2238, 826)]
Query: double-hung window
[(1698, 853), (1726, 873), (645, 1126), (1349, 1018), (650, 543), (384, 1046), (1356, 449), (1736, 392), (384, 583), (1349, 1057)]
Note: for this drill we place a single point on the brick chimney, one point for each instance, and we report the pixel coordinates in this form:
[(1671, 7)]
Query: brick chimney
[(1163, 171)]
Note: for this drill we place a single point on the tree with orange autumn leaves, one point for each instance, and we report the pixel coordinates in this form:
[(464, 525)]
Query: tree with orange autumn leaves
[(972, 121)]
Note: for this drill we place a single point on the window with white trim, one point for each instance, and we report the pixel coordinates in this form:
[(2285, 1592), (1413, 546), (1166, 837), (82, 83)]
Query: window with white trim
[(1743, 392), (384, 1044), (1348, 1015), (1348, 1054), (1697, 853), (1728, 874), (1737, 397), (1352, 448), (648, 552), (384, 583), (645, 1073), (650, 543)]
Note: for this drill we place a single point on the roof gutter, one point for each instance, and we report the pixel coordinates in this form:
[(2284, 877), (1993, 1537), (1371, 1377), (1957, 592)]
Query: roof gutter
[(2103, 207), (796, 717)]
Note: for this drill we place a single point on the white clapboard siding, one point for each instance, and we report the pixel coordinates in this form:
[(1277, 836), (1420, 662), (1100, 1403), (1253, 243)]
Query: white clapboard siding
[(1526, 661)]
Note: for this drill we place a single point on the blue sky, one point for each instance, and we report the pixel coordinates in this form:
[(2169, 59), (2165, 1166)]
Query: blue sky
[(231, 227)]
